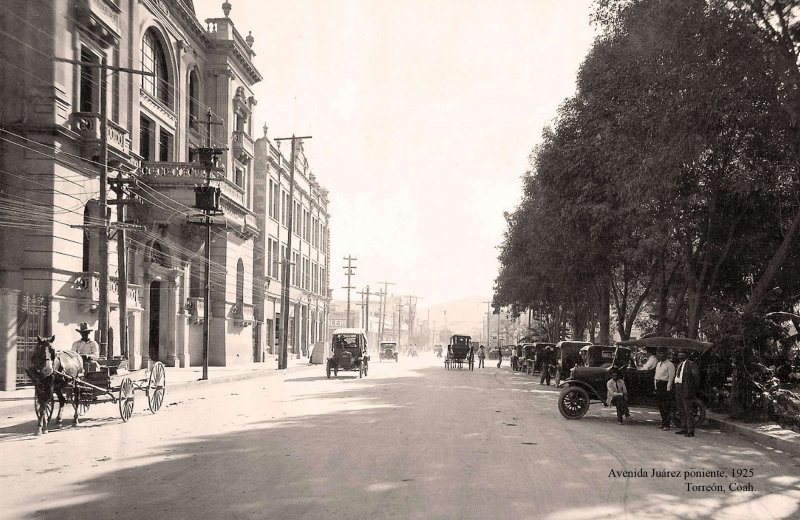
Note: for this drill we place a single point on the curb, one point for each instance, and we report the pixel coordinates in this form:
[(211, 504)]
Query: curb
[(27, 407), (788, 442)]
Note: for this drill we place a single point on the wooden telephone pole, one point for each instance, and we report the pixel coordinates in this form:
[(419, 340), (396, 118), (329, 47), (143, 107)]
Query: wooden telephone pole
[(349, 273)]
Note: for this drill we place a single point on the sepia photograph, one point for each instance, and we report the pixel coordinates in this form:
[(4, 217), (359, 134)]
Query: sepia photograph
[(400, 260)]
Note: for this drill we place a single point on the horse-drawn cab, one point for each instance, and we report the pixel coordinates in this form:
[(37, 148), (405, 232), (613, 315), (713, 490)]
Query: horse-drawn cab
[(460, 351), (348, 352)]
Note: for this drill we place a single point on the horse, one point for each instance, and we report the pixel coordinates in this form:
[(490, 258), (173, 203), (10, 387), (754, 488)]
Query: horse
[(47, 363)]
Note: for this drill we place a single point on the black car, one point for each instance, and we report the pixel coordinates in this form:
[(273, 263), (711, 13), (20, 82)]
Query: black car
[(568, 355), (388, 350), (588, 384), (348, 352)]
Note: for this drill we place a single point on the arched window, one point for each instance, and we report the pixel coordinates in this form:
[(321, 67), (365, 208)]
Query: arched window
[(240, 283), (154, 60), (194, 96)]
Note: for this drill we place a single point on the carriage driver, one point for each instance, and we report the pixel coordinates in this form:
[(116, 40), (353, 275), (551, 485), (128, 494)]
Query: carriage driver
[(87, 348)]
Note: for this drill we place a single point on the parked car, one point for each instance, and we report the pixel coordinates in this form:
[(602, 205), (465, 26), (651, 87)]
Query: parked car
[(597, 355), (588, 384), (388, 350), (568, 354), (348, 352), (539, 353)]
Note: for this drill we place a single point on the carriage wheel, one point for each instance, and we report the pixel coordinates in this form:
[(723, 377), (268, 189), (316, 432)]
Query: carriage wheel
[(48, 405), (335, 370), (81, 404), (126, 399), (156, 385)]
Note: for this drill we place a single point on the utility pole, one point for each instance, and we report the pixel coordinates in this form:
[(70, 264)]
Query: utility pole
[(399, 320), (283, 355), (384, 295), (488, 333), (207, 199), (102, 317), (118, 186), (365, 308), (412, 316), (349, 273)]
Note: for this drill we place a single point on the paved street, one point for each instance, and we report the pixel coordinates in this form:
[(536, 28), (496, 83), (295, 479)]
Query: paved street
[(410, 441)]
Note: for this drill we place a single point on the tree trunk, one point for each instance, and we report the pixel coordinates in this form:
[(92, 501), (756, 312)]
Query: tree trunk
[(604, 313)]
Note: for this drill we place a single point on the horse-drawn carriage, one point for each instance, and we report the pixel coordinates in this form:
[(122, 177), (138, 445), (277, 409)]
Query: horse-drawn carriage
[(62, 374), (459, 352)]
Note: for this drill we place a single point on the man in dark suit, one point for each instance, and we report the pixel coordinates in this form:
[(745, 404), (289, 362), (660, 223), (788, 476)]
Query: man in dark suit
[(687, 382)]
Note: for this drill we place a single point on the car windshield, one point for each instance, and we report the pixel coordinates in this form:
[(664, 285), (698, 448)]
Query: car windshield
[(461, 341), (345, 340)]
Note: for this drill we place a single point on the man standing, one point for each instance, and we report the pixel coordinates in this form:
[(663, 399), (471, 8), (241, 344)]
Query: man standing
[(499, 356), (481, 356), (547, 362), (664, 380), (687, 380), (87, 348)]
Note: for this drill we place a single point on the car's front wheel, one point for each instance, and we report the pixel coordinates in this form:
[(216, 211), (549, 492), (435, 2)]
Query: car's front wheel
[(573, 403)]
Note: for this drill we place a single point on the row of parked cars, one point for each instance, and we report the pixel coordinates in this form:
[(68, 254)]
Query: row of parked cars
[(583, 369)]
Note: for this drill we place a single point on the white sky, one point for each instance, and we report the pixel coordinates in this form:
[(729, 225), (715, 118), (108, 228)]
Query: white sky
[(423, 114)]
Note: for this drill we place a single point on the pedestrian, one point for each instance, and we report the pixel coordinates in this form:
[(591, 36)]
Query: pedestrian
[(687, 381), (547, 359), (664, 380), (499, 356), (87, 348), (618, 395), (481, 356), (652, 359)]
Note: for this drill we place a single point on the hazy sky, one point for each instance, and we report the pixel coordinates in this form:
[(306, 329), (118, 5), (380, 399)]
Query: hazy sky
[(423, 114)]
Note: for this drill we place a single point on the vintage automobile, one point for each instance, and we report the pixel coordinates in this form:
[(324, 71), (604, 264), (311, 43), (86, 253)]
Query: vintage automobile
[(388, 350), (348, 352), (588, 384), (597, 355), (539, 353), (568, 355), (459, 352)]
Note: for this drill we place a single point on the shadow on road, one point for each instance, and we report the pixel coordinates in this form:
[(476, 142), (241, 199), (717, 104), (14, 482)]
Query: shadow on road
[(315, 464)]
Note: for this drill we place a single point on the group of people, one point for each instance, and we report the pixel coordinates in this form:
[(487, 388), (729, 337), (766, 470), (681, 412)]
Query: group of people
[(674, 386)]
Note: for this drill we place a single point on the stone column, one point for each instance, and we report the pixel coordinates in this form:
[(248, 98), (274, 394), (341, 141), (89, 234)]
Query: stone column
[(9, 300), (170, 301), (182, 321)]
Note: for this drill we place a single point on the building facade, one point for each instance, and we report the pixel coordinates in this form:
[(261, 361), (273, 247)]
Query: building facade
[(309, 258), (174, 84)]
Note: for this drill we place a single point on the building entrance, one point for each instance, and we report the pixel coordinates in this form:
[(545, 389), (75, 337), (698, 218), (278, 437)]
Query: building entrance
[(155, 319)]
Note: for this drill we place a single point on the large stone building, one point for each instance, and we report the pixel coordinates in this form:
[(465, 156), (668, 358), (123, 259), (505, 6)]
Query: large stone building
[(309, 258), (50, 203)]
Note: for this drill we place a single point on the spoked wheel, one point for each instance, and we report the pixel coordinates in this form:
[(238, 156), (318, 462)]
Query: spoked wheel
[(156, 386), (82, 403), (125, 399), (48, 409), (573, 403)]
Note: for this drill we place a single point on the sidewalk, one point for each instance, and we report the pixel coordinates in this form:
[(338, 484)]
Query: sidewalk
[(768, 434), (20, 402)]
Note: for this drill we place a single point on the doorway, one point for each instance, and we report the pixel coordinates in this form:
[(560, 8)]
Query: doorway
[(154, 319)]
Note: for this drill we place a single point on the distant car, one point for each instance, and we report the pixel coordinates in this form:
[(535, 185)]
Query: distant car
[(388, 350), (348, 352), (587, 384)]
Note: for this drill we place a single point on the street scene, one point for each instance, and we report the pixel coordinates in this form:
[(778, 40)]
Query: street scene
[(411, 440), (430, 259)]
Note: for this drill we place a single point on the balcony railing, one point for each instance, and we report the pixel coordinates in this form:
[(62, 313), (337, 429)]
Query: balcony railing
[(87, 285), (242, 314), (195, 308), (243, 147), (189, 174), (87, 125)]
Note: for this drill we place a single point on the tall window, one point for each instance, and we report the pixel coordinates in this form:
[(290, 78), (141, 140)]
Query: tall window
[(164, 145), (154, 60), (194, 95), (240, 283), (146, 129), (89, 83)]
